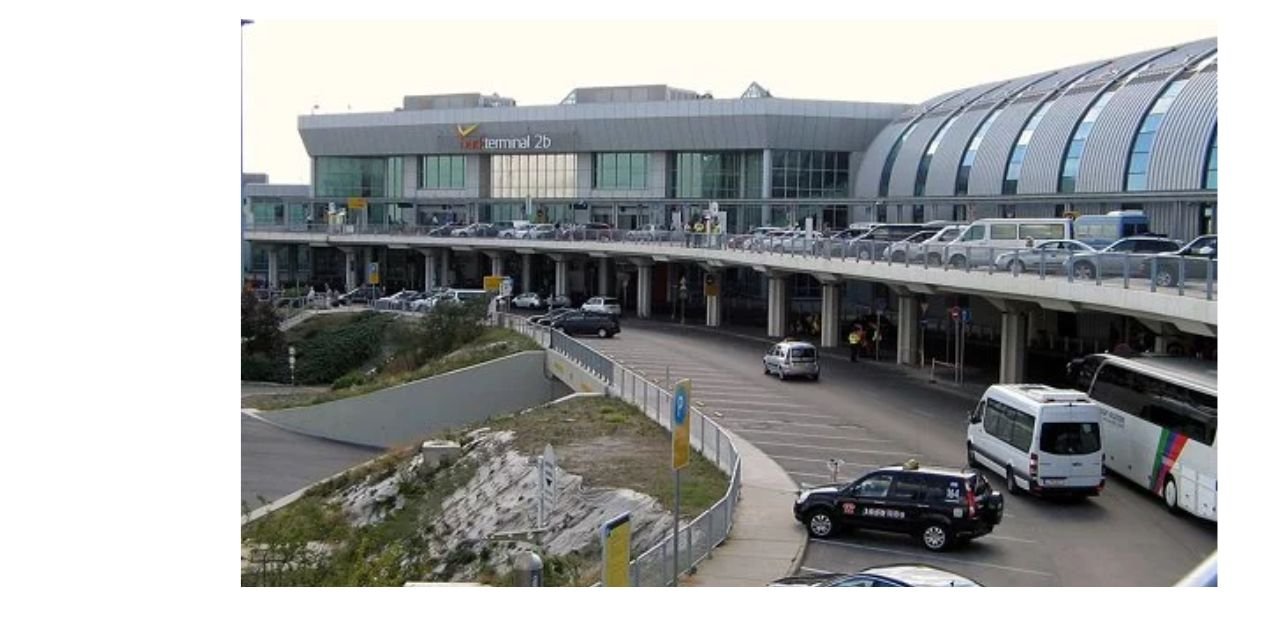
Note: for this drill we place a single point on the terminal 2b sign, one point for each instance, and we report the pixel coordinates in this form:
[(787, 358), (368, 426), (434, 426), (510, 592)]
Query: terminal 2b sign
[(530, 141)]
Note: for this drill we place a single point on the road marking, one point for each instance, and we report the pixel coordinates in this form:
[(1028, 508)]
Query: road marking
[(820, 436), (1011, 538), (757, 404), (824, 462), (873, 452), (794, 423), (772, 413), (933, 557)]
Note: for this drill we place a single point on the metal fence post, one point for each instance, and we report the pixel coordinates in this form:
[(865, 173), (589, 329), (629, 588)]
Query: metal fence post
[(1097, 270), (991, 260), (702, 434), (1182, 274), (1209, 271), (718, 464), (1071, 267), (1126, 270), (1155, 270)]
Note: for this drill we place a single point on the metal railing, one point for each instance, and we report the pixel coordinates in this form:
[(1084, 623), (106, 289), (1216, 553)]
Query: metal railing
[(1183, 275), (654, 567)]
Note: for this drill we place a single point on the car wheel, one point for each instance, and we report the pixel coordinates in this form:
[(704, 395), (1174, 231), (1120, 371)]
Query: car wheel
[(766, 368), (1010, 481), (935, 259), (936, 537), (1170, 495), (602, 332), (957, 261), (820, 523), (782, 377), (898, 256), (1017, 267), (1164, 279), (864, 255), (1084, 270), (814, 378)]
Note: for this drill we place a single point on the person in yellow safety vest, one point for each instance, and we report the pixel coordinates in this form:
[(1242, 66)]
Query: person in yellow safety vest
[(855, 342), (700, 227)]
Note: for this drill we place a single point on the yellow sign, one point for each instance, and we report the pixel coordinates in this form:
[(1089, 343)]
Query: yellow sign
[(713, 287), (464, 131), (492, 283), (680, 407), (357, 203), (616, 540)]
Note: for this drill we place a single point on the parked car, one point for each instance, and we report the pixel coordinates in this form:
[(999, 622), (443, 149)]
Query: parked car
[(559, 300), (580, 322), (445, 230), (588, 231), (940, 506), (750, 238), (1043, 440), (511, 230), (905, 575), (897, 251), (790, 358), (397, 301), (1198, 253), (478, 230), (1050, 253), (650, 233), (876, 239), (603, 305), (541, 231), (528, 300), (1111, 260), (550, 315), (982, 241), (1100, 231), (363, 294), (929, 248)]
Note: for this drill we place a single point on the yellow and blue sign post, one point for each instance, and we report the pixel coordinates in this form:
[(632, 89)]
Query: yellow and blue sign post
[(680, 402), (615, 538)]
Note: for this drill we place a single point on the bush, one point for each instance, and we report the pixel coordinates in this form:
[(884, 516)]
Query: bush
[(446, 328), (256, 367), (331, 354), (354, 378)]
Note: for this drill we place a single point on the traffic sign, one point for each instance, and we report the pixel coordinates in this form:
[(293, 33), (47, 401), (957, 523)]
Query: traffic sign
[(548, 485), (615, 538), (492, 283), (373, 273), (955, 313), (508, 286), (680, 400), (967, 315)]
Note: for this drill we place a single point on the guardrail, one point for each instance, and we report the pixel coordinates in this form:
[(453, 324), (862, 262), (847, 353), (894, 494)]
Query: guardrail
[(1189, 276), (654, 567)]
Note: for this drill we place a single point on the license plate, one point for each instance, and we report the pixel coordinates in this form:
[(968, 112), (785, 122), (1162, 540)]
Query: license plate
[(1053, 482)]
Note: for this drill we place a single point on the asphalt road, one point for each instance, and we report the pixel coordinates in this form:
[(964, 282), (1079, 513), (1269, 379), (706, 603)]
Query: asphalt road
[(870, 415), (275, 462)]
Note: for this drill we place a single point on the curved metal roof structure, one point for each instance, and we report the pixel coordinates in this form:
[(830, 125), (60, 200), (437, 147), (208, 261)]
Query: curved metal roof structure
[(1060, 99)]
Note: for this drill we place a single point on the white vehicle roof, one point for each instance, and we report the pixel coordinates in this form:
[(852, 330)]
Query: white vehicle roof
[(1029, 395), (1187, 371)]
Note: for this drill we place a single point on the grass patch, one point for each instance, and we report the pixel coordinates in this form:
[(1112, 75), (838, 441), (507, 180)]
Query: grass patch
[(483, 349), (612, 444)]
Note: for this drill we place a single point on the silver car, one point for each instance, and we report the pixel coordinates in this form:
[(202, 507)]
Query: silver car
[(915, 246), (790, 358), (1050, 253), (1111, 260)]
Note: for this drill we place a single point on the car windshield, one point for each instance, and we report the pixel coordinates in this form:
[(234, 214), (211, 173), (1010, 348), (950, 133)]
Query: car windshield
[(1069, 439), (803, 354)]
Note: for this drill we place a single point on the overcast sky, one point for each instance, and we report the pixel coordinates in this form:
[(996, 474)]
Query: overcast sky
[(371, 66)]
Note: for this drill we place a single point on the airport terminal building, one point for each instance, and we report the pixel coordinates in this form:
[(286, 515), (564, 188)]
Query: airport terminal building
[(1135, 132)]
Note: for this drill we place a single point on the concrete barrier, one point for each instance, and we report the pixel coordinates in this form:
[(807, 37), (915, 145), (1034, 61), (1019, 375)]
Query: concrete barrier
[(406, 414)]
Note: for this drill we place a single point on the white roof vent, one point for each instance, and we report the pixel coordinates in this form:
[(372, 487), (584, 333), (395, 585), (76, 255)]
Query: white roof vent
[(1045, 394)]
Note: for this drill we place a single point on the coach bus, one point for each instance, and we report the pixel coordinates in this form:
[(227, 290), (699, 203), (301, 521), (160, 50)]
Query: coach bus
[(1159, 425)]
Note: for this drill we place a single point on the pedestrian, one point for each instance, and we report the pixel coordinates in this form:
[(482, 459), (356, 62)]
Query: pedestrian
[(855, 340)]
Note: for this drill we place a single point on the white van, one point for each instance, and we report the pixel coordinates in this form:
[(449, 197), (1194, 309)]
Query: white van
[(986, 239), (1041, 439)]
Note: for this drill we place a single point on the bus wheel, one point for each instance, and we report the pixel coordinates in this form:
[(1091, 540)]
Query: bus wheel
[(1170, 495)]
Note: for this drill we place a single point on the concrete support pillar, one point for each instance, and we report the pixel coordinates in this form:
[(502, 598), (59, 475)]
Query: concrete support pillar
[(644, 287), (602, 282), (830, 315), (445, 280), (1013, 346), (1161, 344), (908, 329), (428, 268), (273, 267), (351, 269), (562, 276), (495, 264), (712, 297), (777, 326), (526, 272)]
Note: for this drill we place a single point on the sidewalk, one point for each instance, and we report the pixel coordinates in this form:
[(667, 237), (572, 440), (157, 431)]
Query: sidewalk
[(766, 542)]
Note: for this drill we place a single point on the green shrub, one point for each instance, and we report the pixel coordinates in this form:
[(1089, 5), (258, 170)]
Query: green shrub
[(331, 354), (255, 367), (354, 378)]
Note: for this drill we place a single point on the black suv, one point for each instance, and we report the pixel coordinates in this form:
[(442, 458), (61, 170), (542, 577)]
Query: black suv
[(939, 506), (579, 322)]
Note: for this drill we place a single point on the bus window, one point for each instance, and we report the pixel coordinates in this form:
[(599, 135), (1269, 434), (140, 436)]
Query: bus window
[(1167, 405), (1004, 232), (1041, 232)]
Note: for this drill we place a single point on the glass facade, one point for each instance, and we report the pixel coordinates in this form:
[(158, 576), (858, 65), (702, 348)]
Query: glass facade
[(1013, 170), (971, 152), (709, 175), (552, 175), (1071, 161), (893, 156), (442, 172), (1140, 153), (1211, 164), (365, 177), (275, 211), (809, 174), (620, 171), (922, 171)]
